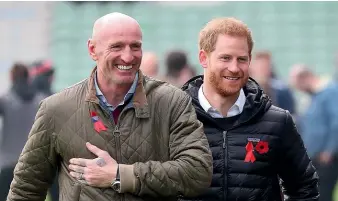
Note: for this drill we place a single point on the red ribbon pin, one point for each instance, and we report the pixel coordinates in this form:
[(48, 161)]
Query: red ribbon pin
[(98, 125), (249, 157)]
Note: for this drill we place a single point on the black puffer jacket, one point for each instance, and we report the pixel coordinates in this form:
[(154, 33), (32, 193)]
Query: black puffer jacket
[(280, 153)]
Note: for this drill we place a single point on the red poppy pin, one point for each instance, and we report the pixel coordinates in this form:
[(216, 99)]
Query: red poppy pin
[(261, 147), (98, 125)]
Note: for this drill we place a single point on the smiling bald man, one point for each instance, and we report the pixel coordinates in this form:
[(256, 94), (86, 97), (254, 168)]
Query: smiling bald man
[(118, 135)]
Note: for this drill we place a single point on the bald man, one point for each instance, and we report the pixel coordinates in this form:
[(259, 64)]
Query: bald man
[(117, 135), (319, 126), (149, 64)]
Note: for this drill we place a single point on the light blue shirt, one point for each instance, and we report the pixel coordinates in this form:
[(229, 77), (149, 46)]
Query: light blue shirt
[(127, 97)]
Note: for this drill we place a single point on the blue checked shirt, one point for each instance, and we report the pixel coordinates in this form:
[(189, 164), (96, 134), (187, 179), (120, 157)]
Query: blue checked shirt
[(127, 97)]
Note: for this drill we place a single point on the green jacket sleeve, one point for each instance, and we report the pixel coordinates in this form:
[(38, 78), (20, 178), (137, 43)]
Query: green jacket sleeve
[(189, 171), (36, 166)]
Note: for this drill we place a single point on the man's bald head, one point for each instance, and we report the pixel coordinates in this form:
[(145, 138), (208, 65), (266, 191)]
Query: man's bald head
[(149, 65), (116, 47), (113, 21)]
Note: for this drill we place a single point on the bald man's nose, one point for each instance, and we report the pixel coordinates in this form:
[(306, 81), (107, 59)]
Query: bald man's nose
[(127, 56)]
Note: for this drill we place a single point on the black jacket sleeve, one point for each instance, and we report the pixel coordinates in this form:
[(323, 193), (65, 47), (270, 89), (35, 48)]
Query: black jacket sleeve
[(298, 176)]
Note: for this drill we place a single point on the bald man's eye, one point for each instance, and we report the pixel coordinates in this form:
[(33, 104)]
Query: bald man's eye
[(136, 47), (116, 47)]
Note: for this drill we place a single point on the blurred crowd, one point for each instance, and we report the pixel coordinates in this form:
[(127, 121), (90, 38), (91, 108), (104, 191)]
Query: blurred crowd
[(318, 125), (29, 85)]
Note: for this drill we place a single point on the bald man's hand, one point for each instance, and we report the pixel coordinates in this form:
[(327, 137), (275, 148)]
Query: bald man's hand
[(98, 172)]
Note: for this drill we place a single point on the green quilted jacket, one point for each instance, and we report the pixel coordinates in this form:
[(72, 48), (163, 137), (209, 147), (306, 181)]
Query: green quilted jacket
[(159, 136)]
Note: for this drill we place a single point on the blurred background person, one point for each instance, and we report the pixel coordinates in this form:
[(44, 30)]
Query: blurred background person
[(335, 76), (42, 74), (178, 68), (262, 71), (17, 109), (149, 65), (319, 126)]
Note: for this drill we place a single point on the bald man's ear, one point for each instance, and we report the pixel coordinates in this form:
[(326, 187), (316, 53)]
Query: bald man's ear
[(91, 49)]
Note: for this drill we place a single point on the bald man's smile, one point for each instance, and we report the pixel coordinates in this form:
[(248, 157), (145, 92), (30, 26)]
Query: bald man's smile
[(116, 46), (121, 67)]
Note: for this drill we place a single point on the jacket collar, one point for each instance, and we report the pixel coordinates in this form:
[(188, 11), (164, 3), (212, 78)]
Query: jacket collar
[(256, 104), (139, 101)]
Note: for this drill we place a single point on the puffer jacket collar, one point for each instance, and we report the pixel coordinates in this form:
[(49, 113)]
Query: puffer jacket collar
[(256, 104), (139, 101)]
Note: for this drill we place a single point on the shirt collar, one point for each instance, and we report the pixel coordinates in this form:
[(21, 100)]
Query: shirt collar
[(236, 109), (126, 97)]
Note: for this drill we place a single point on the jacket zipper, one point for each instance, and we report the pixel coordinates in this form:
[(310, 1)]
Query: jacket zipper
[(225, 142), (117, 139), (224, 139), (225, 190), (116, 134)]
